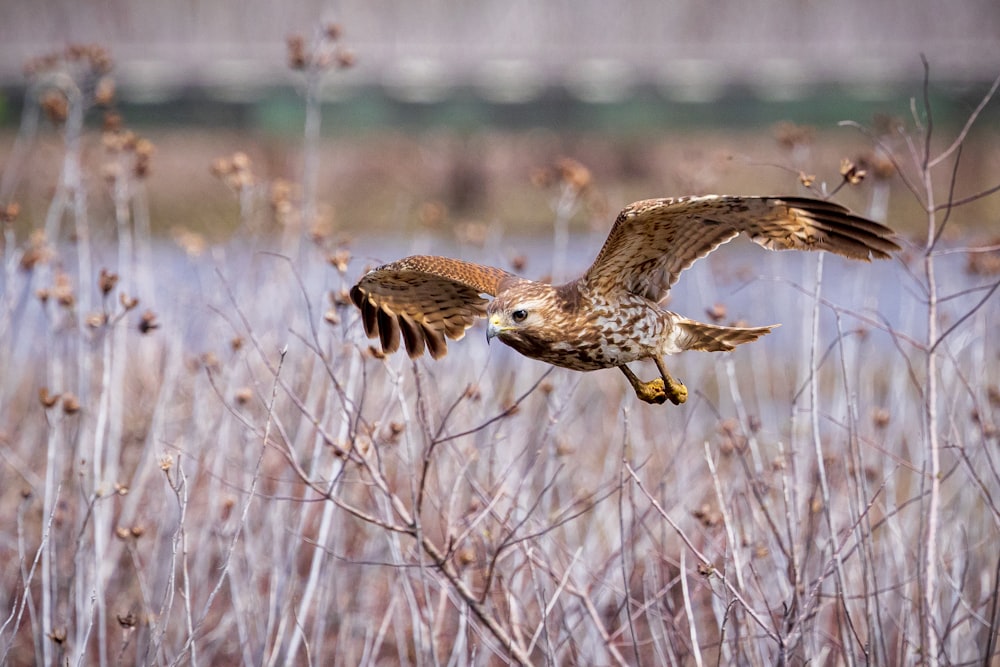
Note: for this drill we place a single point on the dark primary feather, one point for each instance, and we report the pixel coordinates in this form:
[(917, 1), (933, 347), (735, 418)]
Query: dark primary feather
[(424, 300)]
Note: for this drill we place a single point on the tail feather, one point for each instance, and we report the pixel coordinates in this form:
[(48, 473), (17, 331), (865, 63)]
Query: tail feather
[(715, 338)]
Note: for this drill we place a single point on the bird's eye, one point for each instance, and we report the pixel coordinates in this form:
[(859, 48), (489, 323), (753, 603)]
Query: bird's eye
[(519, 315)]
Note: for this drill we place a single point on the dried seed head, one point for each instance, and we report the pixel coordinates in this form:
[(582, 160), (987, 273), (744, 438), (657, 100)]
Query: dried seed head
[(243, 395), (38, 251), (144, 147), (55, 106), (241, 161), (541, 177), (333, 31), (574, 174), (47, 399), (564, 448), (881, 418), (518, 263), (107, 281), (806, 179), (127, 302), (339, 260), (112, 122), (878, 164), (63, 290), (221, 166), (281, 192), (993, 395), (9, 213), (473, 233), (236, 343), (331, 317), (104, 91), (297, 58), (322, 60), (148, 322), (707, 515), (852, 173), (70, 404), (121, 533), (432, 214), (96, 320), (166, 462), (192, 243), (791, 135), (717, 312), (209, 361), (345, 58), (983, 263), (144, 150)]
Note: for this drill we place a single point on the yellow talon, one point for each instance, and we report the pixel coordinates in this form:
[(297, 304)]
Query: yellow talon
[(678, 392), (651, 392), (659, 390)]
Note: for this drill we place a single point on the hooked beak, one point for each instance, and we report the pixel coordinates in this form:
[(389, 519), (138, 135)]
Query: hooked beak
[(494, 327)]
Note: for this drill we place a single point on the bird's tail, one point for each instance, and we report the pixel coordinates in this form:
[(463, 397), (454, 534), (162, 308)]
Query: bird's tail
[(715, 338)]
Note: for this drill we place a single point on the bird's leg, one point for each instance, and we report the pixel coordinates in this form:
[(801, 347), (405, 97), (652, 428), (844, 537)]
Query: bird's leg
[(674, 389), (659, 389), (649, 392)]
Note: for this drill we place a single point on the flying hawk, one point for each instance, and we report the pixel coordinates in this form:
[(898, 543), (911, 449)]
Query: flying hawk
[(608, 317)]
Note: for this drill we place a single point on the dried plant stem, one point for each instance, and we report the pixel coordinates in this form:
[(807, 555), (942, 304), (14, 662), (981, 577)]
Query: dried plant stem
[(689, 610), (702, 558), (929, 625), (326, 527), (190, 645), (929, 630), (824, 484)]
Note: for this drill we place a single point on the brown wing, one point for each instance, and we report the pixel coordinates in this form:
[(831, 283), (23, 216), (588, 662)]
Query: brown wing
[(425, 299), (653, 241)]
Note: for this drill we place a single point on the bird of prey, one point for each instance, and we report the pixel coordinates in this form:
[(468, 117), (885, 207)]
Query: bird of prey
[(610, 316)]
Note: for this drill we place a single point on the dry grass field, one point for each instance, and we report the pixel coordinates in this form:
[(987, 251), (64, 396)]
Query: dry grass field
[(203, 461)]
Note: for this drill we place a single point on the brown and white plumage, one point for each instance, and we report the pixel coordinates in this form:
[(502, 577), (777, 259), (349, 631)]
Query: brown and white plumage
[(609, 316)]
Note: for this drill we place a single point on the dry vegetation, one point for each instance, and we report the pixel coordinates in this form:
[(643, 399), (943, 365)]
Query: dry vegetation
[(202, 461)]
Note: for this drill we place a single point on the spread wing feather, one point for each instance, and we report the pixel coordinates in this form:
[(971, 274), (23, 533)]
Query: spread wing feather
[(424, 300), (653, 241)]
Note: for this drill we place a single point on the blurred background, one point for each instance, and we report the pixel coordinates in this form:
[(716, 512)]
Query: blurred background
[(513, 51), (456, 102)]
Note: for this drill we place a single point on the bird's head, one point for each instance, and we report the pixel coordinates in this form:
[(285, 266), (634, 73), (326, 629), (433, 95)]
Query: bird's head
[(520, 313)]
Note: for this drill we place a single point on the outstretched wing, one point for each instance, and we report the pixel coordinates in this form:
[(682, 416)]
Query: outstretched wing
[(653, 241), (424, 298)]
